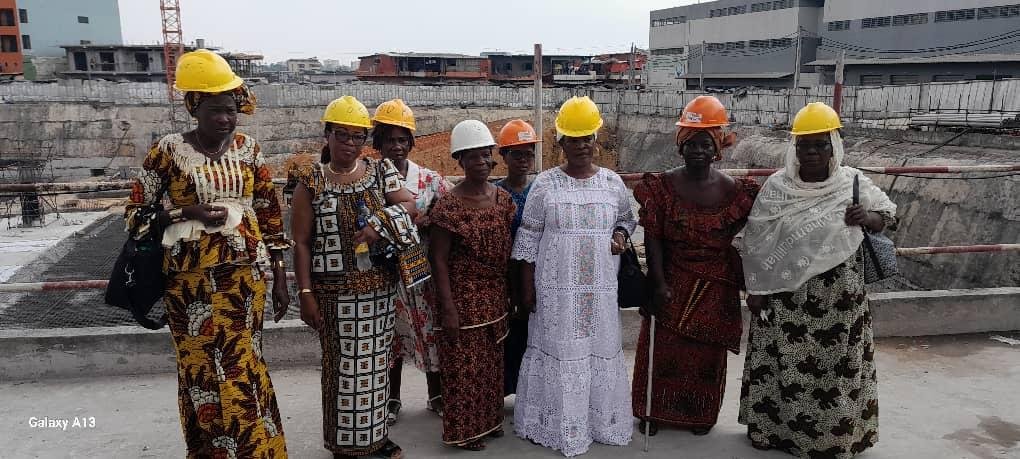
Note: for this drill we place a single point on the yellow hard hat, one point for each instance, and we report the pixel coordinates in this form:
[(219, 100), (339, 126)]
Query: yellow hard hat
[(815, 118), (347, 111), (205, 71), (395, 112), (578, 117)]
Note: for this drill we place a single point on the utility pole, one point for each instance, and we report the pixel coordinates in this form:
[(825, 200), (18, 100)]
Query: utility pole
[(537, 67), (701, 83), (630, 68), (796, 69), (837, 90)]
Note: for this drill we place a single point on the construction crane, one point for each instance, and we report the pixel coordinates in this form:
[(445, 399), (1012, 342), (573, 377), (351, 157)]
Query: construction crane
[(173, 48)]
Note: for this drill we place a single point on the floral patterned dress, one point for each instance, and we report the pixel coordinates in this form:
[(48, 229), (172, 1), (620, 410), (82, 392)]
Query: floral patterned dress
[(702, 322), (216, 295), (415, 337), (472, 365)]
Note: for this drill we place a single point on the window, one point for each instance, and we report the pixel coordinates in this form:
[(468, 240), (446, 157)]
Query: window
[(988, 13), (737, 10), (836, 26), (1009, 11), (83, 19), (954, 15), (23, 16), (451, 62), (142, 62), (667, 51), (910, 19), (946, 78), (9, 43), (80, 62), (759, 7), (781, 43), (6, 17), (758, 44), (715, 47), (734, 45), (26, 42), (782, 4), (84, 42), (872, 23), (529, 67), (107, 62), (905, 79), (872, 80)]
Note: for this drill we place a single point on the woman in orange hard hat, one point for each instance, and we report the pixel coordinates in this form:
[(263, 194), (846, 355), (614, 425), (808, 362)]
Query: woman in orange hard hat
[(222, 232), (517, 142), (690, 215), (414, 338)]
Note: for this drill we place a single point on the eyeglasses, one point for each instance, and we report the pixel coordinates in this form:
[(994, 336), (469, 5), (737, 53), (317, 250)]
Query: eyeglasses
[(344, 136), (519, 154)]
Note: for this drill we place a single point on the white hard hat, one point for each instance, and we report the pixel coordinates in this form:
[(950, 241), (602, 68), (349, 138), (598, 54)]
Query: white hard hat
[(468, 135)]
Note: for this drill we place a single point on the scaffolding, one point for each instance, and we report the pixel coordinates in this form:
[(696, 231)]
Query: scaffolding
[(27, 163)]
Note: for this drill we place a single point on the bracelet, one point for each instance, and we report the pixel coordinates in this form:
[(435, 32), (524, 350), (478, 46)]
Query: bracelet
[(176, 215), (305, 290), (279, 264)]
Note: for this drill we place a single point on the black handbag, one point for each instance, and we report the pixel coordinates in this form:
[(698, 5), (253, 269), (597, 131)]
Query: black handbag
[(879, 251), (634, 289), (137, 281)]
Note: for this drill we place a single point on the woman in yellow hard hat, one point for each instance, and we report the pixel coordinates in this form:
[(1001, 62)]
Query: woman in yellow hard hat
[(393, 138), (347, 210), (517, 142), (690, 215), (809, 385), (573, 387), (223, 232)]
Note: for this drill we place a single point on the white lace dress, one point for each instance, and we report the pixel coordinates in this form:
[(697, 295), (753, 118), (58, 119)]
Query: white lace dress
[(573, 387)]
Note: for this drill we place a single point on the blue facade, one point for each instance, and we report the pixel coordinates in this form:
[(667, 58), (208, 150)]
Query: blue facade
[(52, 23)]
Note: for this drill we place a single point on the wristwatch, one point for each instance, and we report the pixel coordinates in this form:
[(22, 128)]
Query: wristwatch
[(305, 290)]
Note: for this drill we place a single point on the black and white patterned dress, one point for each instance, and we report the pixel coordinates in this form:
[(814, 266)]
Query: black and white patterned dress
[(810, 385)]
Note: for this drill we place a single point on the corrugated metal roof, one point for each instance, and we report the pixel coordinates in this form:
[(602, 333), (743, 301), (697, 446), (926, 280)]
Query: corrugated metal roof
[(434, 55), (957, 58)]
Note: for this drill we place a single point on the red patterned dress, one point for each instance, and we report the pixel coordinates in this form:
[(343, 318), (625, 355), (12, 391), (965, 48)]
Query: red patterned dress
[(472, 365), (694, 331)]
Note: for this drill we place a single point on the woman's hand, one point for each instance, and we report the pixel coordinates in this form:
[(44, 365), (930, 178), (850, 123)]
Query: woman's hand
[(422, 220), (208, 214), (619, 243), (856, 215), (311, 315), (451, 322), (755, 303), (661, 296), (281, 296), (528, 299), (367, 235)]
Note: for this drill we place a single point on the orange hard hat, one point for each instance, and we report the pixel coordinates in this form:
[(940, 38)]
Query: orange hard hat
[(517, 132), (703, 112)]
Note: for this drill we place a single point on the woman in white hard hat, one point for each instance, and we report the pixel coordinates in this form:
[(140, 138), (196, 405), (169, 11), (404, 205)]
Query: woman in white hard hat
[(574, 387), (347, 210), (393, 138), (222, 233), (470, 250), (809, 385)]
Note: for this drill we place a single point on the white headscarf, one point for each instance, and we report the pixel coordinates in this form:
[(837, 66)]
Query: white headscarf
[(796, 229)]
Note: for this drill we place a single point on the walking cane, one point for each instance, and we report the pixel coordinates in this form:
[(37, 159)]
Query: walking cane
[(648, 389)]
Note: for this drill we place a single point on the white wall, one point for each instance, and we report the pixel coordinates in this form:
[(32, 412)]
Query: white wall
[(841, 10)]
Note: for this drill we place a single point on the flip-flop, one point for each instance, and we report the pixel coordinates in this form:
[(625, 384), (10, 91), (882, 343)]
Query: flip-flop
[(392, 409), (474, 445), (431, 407), (498, 433)]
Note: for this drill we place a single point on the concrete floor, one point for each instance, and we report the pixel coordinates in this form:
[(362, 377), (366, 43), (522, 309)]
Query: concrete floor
[(942, 397)]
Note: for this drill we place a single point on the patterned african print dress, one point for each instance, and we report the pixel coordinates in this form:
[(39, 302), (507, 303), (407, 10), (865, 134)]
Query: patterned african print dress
[(472, 365), (415, 337), (216, 295), (574, 388), (516, 342), (695, 330), (358, 307), (810, 387)]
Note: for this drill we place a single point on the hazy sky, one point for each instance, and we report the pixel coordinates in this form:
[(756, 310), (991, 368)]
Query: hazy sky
[(343, 30)]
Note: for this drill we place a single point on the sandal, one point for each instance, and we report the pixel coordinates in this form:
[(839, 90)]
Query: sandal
[(761, 445), (498, 433), (653, 428), (392, 409), (434, 406), (699, 431), (390, 451), (474, 445)]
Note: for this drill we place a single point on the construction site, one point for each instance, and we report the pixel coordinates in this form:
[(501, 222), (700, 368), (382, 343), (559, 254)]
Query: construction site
[(947, 326)]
